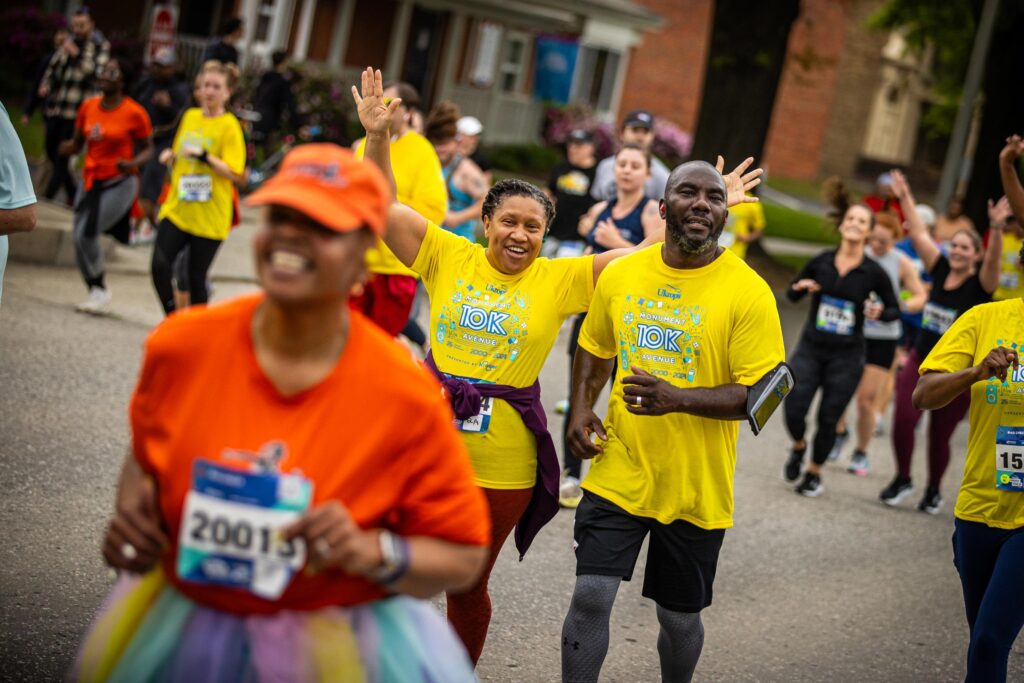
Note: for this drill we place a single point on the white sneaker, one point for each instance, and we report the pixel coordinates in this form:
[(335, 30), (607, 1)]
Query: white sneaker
[(98, 302)]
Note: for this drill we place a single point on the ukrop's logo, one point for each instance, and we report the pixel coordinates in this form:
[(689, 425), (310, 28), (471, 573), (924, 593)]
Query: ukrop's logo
[(657, 338), (483, 320)]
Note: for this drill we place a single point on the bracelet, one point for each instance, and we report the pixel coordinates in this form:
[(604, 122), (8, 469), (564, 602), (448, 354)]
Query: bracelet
[(394, 552)]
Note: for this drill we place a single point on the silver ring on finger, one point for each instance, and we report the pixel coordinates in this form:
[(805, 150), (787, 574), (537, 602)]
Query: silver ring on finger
[(129, 552), (323, 548), (639, 400)]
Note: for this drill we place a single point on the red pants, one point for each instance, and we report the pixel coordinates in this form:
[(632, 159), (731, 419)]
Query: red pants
[(387, 301), (470, 613)]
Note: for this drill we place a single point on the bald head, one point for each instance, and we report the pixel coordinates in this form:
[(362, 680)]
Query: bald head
[(686, 171)]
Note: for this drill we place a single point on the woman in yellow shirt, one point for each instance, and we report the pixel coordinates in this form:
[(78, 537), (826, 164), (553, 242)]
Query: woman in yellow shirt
[(495, 312), (980, 353), (208, 155)]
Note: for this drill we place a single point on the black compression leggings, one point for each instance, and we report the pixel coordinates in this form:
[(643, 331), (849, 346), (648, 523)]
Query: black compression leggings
[(836, 371), (170, 240)]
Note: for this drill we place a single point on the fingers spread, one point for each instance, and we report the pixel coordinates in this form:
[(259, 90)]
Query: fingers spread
[(720, 164)]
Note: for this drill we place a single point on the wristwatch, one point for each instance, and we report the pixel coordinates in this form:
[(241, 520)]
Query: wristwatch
[(394, 554), (204, 157)]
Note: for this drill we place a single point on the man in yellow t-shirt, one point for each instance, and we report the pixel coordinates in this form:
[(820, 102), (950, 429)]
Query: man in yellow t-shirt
[(388, 296), (1011, 285), (745, 225), (691, 327)]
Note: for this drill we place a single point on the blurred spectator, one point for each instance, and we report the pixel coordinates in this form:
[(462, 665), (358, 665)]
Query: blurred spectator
[(745, 225), (952, 221), (274, 100), (34, 101), (164, 95), (464, 180), (223, 50), (569, 188), (17, 201), (470, 130), (637, 128), (884, 198), (70, 77)]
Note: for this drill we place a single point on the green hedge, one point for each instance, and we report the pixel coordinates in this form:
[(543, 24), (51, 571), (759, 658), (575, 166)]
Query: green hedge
[(787, 223), (533, 160)]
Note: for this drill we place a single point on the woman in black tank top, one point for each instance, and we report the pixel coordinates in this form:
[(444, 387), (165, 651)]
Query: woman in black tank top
[(958, 285)]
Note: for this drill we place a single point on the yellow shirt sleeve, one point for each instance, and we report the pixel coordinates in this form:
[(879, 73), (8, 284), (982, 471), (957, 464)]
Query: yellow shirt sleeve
[(755, 345), (597, 336), (574, 283), (440, 253), (956, 348), (232, 149)]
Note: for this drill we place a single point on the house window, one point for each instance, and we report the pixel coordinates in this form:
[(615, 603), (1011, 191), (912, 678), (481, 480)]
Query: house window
[(596, 72), (264, 20), (514, 62)]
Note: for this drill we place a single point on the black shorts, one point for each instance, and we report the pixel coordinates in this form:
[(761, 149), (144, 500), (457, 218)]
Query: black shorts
[(681, 560), (880, 352)]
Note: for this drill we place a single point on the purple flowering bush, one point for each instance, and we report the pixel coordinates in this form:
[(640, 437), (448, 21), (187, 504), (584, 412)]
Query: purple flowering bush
[(26, 36), (671, 143)]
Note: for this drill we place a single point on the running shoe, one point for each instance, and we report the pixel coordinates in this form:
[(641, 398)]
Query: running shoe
[(98, 302), (570, 494), (859, 464), (932, 501), (894, 493), (562, 407), (791, 472), (837, 447), (811, 486)]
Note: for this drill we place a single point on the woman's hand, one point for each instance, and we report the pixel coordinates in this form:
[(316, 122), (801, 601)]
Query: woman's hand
[(166, 156), (899, 184), (738, 183), (999, 213), (806, 285), (66, 148), (1012, 151), (873, 309), (608, 236), (996, 364), (335, 541), (374, 112), (135, 540)]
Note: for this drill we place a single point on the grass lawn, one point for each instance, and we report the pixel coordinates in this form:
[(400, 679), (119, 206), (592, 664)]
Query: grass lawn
[(787, 223), (803, 189), (31, 136)]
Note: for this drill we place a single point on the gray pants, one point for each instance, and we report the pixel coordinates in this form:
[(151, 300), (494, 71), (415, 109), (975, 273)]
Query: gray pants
[(104, 208)]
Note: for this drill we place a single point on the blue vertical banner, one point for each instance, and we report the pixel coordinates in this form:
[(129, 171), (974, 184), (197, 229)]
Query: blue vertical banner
[(554, 67)]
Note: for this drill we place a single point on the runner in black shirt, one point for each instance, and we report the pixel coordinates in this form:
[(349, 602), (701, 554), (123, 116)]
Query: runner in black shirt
[(569, 188), (958, 285), (846, 287)]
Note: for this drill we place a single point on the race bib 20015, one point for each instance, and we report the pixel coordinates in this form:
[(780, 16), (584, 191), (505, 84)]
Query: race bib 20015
[(231, 529)]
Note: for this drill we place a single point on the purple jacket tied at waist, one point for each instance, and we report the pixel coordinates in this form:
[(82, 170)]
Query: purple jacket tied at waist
[(466, 400)]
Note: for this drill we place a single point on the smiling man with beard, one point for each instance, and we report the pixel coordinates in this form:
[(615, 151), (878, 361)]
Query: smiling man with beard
[(691, 327)]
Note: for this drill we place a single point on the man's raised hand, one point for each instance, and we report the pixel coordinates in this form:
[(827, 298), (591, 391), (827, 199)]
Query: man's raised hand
[(739, 182)]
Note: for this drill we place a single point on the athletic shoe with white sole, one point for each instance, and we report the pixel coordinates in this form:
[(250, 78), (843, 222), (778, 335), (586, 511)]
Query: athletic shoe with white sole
[(859, 464), (837, 447), (795, 463), (811, 486), (98, 302), (932, 501), (569, 493), (897, 491)]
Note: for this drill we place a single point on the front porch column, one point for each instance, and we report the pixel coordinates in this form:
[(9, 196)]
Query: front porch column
[(398, 41)]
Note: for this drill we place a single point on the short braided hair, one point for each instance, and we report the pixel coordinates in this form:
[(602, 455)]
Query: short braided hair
[(513, 187)]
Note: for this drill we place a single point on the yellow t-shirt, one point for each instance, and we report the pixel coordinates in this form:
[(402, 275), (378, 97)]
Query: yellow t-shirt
[(703, 327), (487, 326), (1011, 282), (994, 405), (420, 184), (200, 202), (743, 220)]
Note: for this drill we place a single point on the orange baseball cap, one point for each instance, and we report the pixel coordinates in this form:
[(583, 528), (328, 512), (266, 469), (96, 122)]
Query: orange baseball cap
[(331, 186)]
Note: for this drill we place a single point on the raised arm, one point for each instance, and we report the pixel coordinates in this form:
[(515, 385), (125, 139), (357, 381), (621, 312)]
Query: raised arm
[(912, 281), (991, 265), (922, 241), (405, 227), (1008, 172)]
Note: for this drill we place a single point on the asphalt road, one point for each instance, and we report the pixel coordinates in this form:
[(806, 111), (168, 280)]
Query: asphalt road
[(838, 588)]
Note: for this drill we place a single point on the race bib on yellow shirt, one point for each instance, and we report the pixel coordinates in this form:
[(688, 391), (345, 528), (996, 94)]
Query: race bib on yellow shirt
[(231, 524), (936, 318), (836, 316), (195, 188), (1009, 280), (1010, 458)]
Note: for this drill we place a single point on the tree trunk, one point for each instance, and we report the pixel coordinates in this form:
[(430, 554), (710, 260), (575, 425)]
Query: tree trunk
[(1002, 113), (745, 60)]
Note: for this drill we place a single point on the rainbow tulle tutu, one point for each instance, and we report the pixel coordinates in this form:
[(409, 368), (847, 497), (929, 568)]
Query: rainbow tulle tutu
[(148, 631)]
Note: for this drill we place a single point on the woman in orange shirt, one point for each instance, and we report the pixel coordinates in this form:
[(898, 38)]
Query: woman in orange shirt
[(280, 518), (110, 127)]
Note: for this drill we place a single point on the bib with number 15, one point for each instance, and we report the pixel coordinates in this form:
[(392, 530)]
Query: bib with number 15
[(231, 524)]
